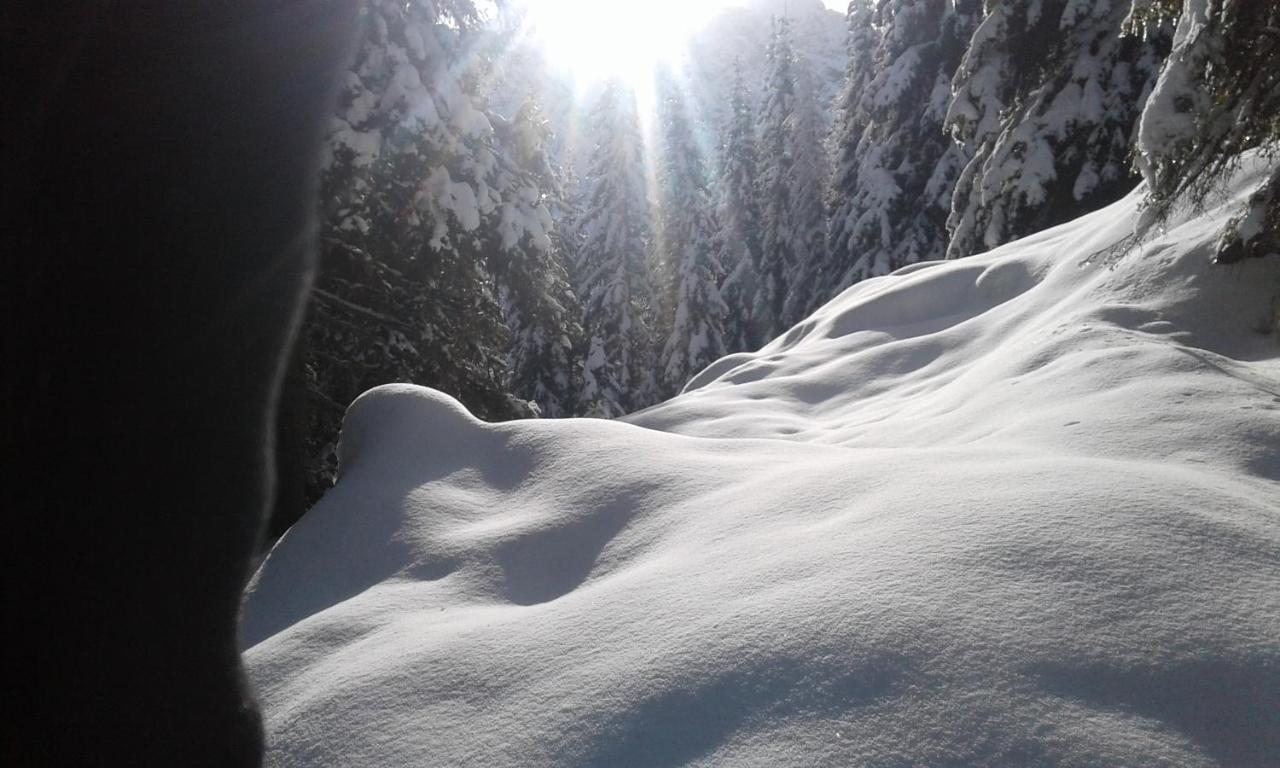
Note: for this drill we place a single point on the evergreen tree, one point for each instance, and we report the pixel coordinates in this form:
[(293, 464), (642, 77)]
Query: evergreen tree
[(891, 190), (567, 215), (1217, 96), (527, 256), (809, 175), (401, 294), (434, 209), (538, 303), (846, 135), (695, 332), (1046, 102), (776, 257), (614, 264), (792, 179), (737, 241)]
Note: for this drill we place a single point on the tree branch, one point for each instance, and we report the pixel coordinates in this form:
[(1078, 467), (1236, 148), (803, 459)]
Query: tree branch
[(388, 319)]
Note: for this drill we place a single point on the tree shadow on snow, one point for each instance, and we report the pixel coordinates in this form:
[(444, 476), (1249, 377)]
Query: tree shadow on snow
[(681, 724), (1231, 711)]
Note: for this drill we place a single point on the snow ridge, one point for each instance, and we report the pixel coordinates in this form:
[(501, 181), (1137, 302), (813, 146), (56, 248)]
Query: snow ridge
[(1021, 509)]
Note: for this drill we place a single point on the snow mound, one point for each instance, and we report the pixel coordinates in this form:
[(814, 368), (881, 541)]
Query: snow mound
[(1021, 509)]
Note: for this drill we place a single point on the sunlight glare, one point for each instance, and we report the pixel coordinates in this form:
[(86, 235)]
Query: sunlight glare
[(592, 40)]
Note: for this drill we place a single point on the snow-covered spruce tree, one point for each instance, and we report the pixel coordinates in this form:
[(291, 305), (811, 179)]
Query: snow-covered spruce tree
[(846, 135), (1046, 101), (528, 261), (537, 299), (695, 328), (809, 175), (776, 237), (791, 184), (895, 167), (737, 240), (521, 249), (410, 211), (614, 264), (1217, 96), (567, 214)]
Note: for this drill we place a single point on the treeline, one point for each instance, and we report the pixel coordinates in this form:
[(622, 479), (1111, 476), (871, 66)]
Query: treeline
[(440, 260), (464, 252)]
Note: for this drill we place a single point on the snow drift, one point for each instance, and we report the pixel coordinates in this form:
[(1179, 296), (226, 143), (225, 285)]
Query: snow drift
[(1020, 509)]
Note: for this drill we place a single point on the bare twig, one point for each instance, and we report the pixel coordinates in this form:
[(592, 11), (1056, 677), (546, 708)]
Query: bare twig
[(388, 319), (322, 397)]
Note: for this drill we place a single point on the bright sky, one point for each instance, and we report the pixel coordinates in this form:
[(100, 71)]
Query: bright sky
[(596, 39)]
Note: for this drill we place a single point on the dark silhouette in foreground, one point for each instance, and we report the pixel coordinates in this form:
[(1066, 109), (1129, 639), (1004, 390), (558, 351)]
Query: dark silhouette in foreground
[(159, 166)]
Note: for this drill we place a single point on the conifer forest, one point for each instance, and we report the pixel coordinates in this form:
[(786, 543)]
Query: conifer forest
[(614, 384), (536, 245)]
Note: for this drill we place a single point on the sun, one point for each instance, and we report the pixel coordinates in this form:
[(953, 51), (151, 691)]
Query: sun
[(593, 40)]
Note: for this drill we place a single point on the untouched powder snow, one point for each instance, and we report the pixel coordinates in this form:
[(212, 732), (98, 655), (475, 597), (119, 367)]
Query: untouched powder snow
[(1021, 509)]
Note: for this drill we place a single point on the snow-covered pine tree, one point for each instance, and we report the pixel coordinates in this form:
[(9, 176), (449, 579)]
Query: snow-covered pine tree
[(695, 328), (809, 176), (737, 241), (1045, 102), (846, 135), (614, 264), (523, 250), (411, 211), (1217, 96), (793, 175), (423, 204), (567, 215), (537, 299), (776, 235), (891, 190)]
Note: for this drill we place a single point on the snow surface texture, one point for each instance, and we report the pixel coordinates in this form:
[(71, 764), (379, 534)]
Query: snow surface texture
[(1021, 509)]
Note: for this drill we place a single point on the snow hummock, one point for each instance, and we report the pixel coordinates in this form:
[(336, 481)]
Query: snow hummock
[(1020, 509)]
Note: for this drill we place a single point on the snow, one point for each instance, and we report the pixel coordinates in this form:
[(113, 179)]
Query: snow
[(1018, 509), (440, 193), (1168, 121)]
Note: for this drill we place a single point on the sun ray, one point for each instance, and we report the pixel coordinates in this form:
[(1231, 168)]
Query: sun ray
[(591, 41)]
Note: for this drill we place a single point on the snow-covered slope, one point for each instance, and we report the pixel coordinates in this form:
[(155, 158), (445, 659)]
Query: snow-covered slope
[(1021, 509)]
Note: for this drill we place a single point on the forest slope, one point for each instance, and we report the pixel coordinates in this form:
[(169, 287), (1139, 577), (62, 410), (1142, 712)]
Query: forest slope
[(1019, 509)]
